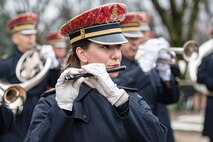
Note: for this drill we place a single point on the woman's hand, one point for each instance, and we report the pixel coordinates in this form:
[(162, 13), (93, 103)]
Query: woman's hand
[(104, 84), (68, 90)]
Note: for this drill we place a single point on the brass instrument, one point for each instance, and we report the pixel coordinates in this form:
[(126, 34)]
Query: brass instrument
[(29, 64), (189, 51), (204, 49), (13, 96)]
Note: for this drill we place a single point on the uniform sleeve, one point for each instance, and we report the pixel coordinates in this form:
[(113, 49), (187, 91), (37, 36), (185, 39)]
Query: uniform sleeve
[(170, 92), (45, 114), (141, 124), (6, 119), (205, 75)]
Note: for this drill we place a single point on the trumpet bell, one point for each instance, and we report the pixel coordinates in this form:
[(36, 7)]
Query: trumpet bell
[(13, 97), (190, 51), (204, 49)]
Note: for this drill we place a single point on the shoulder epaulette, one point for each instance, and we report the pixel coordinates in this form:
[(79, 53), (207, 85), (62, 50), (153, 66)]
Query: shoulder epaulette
[(48, 92), (128, 88)]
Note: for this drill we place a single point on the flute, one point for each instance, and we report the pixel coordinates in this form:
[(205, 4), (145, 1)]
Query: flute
[(109, 70)]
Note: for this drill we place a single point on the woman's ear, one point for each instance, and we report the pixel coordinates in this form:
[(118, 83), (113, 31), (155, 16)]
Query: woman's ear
[(81, 53)]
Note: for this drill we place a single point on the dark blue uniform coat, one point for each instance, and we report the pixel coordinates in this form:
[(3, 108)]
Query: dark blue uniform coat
[(94, 119), (14, 129), (205, 76), (150, 87)]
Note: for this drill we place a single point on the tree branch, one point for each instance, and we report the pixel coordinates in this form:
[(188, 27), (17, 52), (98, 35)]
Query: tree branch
[(173, 8), (165, 19), (194, 15)]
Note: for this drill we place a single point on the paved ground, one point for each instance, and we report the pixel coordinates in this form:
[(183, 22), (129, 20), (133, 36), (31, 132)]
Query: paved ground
[(188, 126), (182, 136)]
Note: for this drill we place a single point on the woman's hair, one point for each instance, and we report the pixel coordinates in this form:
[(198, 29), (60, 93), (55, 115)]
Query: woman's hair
[(72, 59)]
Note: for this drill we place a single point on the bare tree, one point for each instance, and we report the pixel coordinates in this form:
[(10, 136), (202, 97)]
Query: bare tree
[(5, 42), (179, 19)]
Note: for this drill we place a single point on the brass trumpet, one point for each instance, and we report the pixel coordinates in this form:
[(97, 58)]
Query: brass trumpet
[(13, 96), (190, 52)]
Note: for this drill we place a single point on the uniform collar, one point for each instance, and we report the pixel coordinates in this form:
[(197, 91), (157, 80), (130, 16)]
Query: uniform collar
[(84, 89), (17, 53)]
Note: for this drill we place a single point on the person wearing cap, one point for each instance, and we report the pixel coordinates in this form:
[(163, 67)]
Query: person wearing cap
[(145, 26), (14, 125), (93, 108), (59, 44), (135, 75), (152, 48), (152, 61), (149, 83), (205, 76)]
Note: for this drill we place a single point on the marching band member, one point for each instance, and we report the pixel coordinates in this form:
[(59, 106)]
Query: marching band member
[(205, 76), (58, 42), (94, 109), (14, 125), (154, 85), (164, 70)]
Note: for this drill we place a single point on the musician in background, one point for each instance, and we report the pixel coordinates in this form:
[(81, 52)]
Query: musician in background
[(59, 44), (156, 85), (205, 76), (14, 123), (161, 67), (94, 109)]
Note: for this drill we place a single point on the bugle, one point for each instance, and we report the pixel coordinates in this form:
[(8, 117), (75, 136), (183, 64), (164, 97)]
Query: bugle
[(190, 52), (13, 96)]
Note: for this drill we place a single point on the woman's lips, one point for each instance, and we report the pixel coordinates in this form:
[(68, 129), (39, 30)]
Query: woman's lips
[(113, 66)]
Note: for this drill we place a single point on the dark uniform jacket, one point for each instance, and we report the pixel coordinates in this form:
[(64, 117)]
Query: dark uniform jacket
[(94, 119), (205, 76), (14, 129), (53, 76), (152, 89), (149, 86), (205, 71)]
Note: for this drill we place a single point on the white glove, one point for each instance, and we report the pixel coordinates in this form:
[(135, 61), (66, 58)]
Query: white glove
[(48, 52), (163, 67), (104, 84), (68, 90), (151, 50), (162, 43)]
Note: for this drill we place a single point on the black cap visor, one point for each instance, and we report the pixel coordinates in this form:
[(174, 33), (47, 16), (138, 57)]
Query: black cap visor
[(109, 39)]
